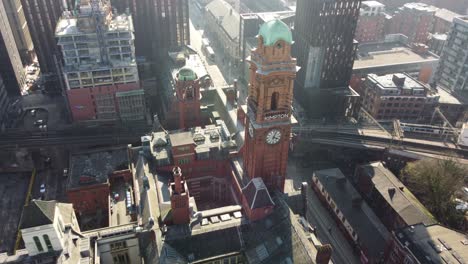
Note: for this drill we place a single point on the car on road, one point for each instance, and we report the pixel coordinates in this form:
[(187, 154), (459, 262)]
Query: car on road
[(39, 122), (65, 172), (33, 112), (42, 189)]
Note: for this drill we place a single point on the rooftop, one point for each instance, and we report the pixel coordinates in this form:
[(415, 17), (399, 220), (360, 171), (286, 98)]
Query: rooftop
[(449, 97), (211, 142), (371, 233), (446, 14), (275, 30), (420, 7), (278, 238), (38, 213), (386, 54), (390, 81), (94, 167), (372, 4), (434, 243), (228, 18), (397, 195)]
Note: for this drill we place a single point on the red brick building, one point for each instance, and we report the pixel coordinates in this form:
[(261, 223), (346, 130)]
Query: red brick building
[(92, 174), (396, 96), (371, 22), (414, 20)]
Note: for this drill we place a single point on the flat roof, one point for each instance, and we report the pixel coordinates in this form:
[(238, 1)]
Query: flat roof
[(387, 82), (447, 97), (435, 242), (371, 233), (372, 4), (401, 200), (94, 167), (388, 54), (446, 14)]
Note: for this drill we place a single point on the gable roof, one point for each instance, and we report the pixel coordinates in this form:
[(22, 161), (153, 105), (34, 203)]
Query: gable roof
[(38, 213), (229, 19), (257, 194), (397, 195)]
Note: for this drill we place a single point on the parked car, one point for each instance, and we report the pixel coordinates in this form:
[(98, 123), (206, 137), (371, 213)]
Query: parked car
[(65, 172), (42, 189), (39, 122)]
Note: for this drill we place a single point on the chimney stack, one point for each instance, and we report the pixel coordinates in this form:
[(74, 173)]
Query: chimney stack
[(324, 254)]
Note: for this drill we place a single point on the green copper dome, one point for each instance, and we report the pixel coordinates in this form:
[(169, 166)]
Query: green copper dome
[(187, 74), (275, 30)]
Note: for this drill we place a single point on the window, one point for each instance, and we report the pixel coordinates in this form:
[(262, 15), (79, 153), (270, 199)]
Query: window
[(38, 244), (274, 100), (121, 258), (48, 244), (184, 161)]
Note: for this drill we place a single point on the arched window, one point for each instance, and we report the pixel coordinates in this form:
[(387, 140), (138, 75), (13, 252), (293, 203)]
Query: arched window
[(48, 244), (38, 244), (274, 101)]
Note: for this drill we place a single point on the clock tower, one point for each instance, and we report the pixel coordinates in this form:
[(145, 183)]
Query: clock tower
[(270, 95)]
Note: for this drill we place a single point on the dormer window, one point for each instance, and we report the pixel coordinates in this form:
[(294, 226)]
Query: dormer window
[(279, 45)]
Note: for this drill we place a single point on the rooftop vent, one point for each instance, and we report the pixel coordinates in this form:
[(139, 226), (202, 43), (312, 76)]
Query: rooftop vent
[(398, 80)]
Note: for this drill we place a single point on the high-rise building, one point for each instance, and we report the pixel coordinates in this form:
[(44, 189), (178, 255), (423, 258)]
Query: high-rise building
[(160, 26), (371, 23), (20, 30), (99, 62), (42, 17), (3, 101), (11, 67), (414, 20), (269, 120), (452, 72), (325, 50)]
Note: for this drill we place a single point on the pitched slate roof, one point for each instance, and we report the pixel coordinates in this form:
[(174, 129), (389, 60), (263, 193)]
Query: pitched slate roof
[(257, 194), (229, 19), (38, 213)]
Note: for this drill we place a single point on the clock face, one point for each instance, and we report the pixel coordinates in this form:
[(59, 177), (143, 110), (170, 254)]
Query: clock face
[(273, 136), (251, 131)]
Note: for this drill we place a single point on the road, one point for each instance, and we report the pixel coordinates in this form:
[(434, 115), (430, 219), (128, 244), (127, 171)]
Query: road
[(317, 214)]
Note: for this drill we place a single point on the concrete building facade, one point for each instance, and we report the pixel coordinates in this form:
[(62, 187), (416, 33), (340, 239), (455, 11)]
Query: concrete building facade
[(371, 22), (11, 67), (99, 62), (20, 29), (452, 72), (42, 17)]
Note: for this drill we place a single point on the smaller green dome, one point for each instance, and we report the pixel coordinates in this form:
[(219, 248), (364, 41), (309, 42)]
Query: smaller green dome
[(187, 74), (275, 30)]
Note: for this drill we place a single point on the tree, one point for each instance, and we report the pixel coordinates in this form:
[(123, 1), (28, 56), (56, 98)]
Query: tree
[(435, 183)]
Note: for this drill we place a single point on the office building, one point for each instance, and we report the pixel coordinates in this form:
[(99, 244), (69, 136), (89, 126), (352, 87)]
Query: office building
[(371, 22), (452, 72), (443, 21), (42, 17), (160, 26), (11, 67), (20, 29), (99, 62), (325, 50), (396, 96)]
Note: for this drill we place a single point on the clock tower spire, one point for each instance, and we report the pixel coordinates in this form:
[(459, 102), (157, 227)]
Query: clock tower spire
[(269, 120)]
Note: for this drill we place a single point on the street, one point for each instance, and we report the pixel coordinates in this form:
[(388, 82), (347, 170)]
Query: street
[(326, 229)]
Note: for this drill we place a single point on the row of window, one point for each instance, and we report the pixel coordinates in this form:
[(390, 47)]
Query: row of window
[(39, 246)]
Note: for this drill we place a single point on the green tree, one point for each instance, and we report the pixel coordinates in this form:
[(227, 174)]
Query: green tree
[(435, 183)]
